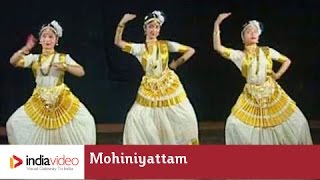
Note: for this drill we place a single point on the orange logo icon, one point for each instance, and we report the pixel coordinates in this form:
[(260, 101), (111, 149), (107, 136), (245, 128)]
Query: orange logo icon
[(14, 164)]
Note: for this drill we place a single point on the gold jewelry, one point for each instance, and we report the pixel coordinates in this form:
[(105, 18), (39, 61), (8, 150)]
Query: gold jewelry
[(121, 25), (21, 52), (180, 60), (216, 33), (49, 68), (65, 66)]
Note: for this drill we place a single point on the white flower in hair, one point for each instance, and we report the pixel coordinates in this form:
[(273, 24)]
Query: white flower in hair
[(57, 27), (159, 16), (257, 25), (253, 23)]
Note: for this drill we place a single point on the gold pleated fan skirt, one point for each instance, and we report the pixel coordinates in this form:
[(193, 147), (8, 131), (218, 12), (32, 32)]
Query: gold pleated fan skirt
[(52, 108), (265, 105), (164, 91)]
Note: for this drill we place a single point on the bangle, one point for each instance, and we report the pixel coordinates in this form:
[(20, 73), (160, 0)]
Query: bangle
[(180, 60), (21, 52), (121, 25), (279, 74), (65, 66), (216, 32)]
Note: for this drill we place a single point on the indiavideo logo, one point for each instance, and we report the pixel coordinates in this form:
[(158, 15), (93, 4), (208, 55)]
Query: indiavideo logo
[(15, 161)]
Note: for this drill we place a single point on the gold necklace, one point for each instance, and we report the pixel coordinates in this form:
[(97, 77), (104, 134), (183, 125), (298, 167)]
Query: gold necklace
[(154, 63), (254, 54), (51, 62)]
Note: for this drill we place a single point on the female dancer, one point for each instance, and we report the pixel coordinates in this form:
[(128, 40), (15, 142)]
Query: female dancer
[(264, 113), (162, 113), (52, 115)]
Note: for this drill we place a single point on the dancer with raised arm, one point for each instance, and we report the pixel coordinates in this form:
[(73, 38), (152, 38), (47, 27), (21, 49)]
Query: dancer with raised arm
[(52, 115), (162, 113), (263, 113)]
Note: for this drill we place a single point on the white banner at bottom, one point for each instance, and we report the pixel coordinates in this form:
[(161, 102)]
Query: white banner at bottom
[(41, 162)]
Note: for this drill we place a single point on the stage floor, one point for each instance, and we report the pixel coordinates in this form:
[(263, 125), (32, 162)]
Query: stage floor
[(210, 133)]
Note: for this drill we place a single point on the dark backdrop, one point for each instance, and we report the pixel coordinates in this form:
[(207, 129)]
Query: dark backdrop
[(112, 77)]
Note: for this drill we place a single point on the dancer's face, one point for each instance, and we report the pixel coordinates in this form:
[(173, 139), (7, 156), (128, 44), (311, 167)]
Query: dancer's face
[(48, 39), (152, 30), (250, 35)]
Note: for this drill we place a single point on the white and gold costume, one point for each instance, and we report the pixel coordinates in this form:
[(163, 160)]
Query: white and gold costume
[(263, 113), (52, 115), (162, 113)]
